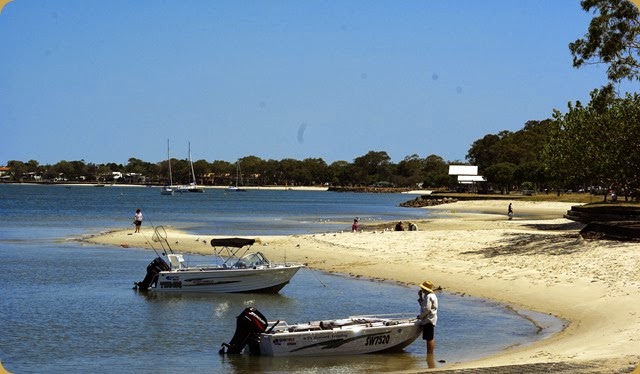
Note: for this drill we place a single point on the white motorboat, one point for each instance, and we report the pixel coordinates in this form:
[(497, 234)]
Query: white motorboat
[(233, 272), (348, 336)]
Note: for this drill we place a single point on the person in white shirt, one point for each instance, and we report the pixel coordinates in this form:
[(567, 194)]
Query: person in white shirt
[(428, 314), (137, 220)]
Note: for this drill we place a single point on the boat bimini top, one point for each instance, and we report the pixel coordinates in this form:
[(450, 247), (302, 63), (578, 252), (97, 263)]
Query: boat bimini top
[(234, 253)]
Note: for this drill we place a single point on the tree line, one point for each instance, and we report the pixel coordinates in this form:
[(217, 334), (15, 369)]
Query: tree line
[(375, 167), (590, 145)]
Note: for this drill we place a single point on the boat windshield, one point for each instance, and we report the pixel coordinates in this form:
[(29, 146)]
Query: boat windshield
[(251, 260)]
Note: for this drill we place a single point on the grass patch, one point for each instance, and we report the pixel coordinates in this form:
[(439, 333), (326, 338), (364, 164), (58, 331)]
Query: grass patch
[(581, 198)]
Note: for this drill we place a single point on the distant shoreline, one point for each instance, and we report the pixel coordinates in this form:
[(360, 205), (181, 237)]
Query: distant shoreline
[(84, 184), (268, 188)]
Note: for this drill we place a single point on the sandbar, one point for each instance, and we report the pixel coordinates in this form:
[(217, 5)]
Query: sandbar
[(536, 261)]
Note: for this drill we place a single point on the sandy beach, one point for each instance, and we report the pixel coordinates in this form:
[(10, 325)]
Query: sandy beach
[(537, 261)]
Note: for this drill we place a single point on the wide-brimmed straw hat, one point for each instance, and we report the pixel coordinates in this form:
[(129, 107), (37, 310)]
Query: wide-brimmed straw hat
[(427, 286)]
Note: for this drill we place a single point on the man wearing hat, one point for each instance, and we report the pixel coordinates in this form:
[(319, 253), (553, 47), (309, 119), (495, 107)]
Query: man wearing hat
[(428, 313)]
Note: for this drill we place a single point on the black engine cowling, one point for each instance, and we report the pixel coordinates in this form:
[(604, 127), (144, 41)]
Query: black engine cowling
[(153, 269), (249, 324)]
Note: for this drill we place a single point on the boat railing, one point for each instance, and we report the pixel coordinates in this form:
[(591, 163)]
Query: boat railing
[(283, 326), (372, 319), (401, 315)]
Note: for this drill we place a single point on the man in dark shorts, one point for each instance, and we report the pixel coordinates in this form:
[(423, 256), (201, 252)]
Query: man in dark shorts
[(428, 314), (137, 220)]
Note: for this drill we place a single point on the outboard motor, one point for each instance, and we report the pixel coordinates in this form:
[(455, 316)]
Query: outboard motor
[(153, 269), (249, 324)]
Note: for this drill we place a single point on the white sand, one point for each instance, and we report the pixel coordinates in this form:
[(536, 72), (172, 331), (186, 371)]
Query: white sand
[(536, 261)]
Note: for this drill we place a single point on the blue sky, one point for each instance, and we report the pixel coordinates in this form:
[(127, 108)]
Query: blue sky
[(104, 81)]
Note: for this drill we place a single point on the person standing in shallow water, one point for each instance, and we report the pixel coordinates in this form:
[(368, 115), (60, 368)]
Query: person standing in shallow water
[(428, 315), (137, 220)]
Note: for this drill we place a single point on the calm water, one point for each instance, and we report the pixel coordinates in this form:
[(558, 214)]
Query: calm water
[(69, 307)]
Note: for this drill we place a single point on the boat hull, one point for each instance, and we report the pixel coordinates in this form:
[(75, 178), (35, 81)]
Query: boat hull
[(166, 191), (190, 188), (265, 280), (350, 340)]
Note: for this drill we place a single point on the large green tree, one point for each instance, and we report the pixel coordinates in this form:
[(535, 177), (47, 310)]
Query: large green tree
[(484, 152), (410, 171), (223, 172), (596, 144), (18, 169), (613, 38), (436, 171), (318, 171), (373, 167), (344, 173), (143, 168), (521, 148), (502, 175)]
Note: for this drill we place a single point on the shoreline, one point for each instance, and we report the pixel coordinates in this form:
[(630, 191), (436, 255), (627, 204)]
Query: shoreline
[(537, 261), (127, 185), (206, 187)]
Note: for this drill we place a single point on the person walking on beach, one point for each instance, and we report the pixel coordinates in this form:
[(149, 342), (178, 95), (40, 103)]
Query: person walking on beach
[(510, 212), (428, 314), (137, 220)]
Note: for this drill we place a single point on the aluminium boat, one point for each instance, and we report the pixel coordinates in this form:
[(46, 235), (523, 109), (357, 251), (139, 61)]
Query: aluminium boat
[(348, 336)]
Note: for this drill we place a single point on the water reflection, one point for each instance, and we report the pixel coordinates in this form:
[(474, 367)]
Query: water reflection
[(431, 361), (397, 362)]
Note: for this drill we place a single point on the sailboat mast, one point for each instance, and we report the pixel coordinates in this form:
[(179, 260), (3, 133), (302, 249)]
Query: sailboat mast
[(193, 174), (237, 171), (169, 160)]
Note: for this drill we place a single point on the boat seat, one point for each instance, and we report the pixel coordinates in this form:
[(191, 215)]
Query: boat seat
[(176, 261)]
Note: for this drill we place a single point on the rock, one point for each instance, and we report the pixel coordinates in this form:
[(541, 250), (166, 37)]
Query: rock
[(420, 202)]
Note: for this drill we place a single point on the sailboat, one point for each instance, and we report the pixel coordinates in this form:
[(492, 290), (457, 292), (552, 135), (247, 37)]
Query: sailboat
[(167, 189), (192, 186), (236, 188)]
